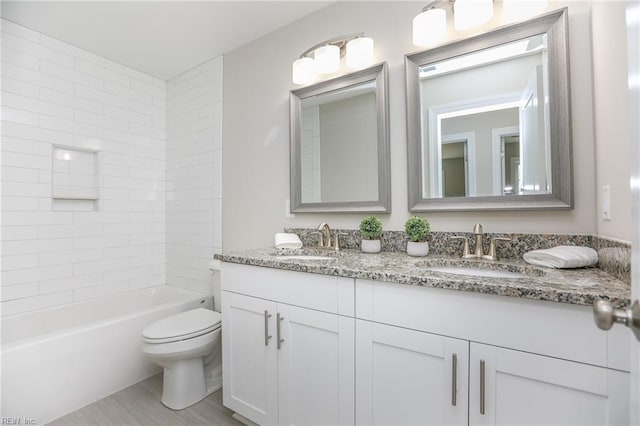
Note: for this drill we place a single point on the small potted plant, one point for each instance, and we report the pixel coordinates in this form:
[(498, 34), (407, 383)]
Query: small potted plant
[(371, 229), (417, 229)]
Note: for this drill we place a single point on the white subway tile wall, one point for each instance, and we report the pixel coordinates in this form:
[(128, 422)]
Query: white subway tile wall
[(56, 94), (194, 142)]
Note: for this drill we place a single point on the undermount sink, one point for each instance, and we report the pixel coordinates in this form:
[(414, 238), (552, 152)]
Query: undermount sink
[(481, 269), (312, 254), (306, 257), (477, 272)]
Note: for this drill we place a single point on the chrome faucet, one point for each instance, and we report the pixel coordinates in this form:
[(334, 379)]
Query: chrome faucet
[(479, 248)]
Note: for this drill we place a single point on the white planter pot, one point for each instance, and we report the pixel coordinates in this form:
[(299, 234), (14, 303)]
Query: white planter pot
[(417, 249), (370, 246)]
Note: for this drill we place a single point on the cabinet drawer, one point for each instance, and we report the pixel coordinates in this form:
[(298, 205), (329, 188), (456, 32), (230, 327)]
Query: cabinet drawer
[(547, 328), (321, 292)]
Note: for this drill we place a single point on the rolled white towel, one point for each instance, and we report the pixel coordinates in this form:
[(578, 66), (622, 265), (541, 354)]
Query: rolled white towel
[(563, 257), (287, 241)]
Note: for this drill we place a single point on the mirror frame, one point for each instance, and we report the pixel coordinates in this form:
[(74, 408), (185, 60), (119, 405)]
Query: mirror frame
[(377, 73), (554, 24)]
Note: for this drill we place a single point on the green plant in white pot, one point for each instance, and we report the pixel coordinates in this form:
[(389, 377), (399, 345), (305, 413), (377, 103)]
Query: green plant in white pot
[(417, 229), (371, 230)]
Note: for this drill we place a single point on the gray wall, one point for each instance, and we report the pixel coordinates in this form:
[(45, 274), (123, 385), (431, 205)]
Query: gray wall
[(348, 137), (613, 151), (257, 81)]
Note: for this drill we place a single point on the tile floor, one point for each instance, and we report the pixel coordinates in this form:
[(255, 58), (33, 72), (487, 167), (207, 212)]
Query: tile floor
[(139, 405)]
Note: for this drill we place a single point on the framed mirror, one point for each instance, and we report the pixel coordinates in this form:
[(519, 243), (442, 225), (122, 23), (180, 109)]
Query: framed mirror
[(339, 151), (489, 120)]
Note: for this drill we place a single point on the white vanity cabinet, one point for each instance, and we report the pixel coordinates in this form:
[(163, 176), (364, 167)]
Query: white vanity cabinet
[(520, 387), (250, 372), (282, 363), (408, 377), (537, 375), (303, 348)]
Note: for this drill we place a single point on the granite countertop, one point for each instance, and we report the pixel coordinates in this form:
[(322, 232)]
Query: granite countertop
[(573, 286)]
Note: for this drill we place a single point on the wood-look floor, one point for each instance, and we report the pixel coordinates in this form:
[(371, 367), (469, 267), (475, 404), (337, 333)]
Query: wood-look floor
[(139, 405)]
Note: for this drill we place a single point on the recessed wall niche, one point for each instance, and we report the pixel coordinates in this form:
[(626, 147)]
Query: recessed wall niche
[(74, 183)]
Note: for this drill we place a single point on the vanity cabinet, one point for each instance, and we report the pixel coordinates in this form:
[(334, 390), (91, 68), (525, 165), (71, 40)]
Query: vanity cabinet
[(405, 373), (543, 390), (303, 348), (250, 372), (287, 364), (409, 377)]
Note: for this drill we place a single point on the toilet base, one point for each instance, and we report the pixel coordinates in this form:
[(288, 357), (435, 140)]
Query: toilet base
[(186, 383), (214, 379)]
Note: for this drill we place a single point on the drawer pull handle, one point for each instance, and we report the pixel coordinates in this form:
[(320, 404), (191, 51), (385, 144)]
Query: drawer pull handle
[(267, 315), (482, 386), (279, 318), (454, 379)]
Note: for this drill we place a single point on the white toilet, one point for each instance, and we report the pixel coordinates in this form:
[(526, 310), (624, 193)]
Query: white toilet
[(188, 347)]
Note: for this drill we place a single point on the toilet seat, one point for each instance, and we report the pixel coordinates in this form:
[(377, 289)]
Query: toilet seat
[(183, 326)]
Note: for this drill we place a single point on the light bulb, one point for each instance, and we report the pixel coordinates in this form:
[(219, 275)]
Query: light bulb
[(360, 52), (304, 71), (468, 14), (429, 27), (327, 59), (517, 10)]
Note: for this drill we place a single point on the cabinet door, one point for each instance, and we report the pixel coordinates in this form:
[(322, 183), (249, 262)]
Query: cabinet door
[(407, 377), (522, 388), (315, 367), (249, 357)]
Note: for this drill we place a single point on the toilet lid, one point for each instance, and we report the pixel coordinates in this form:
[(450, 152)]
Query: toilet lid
[(182, 326)]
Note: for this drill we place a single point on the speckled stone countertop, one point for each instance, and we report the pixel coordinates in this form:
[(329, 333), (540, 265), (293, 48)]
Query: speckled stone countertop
[(573, 286)]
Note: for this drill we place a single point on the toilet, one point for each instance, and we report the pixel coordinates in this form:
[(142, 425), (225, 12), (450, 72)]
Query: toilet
[(188, 347)]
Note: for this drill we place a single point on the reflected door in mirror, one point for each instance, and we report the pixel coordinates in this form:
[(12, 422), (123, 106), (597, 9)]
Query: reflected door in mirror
[(474, 98), (510, 182)]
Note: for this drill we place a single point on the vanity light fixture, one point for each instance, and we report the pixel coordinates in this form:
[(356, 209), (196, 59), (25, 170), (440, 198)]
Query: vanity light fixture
[(517, 10), (327, 59), (324, 58), (469, 14), (359, 52), (430, 26)]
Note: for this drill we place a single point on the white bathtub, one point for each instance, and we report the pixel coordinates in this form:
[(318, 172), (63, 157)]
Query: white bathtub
[(57, 360)]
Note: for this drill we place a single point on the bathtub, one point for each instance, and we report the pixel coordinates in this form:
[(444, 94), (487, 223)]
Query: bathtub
[(57, 360)]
